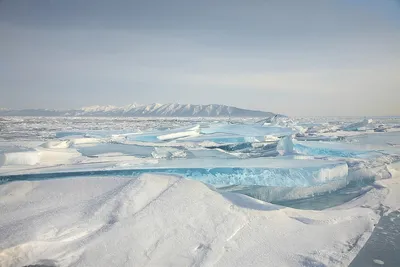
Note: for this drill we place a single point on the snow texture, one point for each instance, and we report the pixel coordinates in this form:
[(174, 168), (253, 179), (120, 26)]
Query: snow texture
[(190, 192), (165, 220)]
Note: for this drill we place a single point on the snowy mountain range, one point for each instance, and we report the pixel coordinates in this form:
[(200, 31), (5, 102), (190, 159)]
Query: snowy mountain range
[(137, 110)]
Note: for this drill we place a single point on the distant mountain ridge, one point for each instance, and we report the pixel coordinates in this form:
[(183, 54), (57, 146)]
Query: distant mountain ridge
[(151, 110)]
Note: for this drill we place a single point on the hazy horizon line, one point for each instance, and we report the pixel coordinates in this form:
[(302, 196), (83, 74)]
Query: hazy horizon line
[(179, 103)]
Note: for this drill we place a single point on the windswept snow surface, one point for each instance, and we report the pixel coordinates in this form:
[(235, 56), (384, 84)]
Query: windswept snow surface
[(152, 192), (165, 220)]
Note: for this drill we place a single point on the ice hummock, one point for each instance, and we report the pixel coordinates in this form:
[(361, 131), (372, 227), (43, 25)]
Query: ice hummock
[(114, 202), (232, 146), (166, 135), (223, 138), (38, 157), (329, 175), (249, 149), (358, 126)]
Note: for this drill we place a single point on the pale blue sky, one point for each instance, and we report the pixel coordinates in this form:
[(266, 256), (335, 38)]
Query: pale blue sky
[(321, 57)]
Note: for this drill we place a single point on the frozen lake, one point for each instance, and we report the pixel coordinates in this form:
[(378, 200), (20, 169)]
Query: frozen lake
[(314, 174)]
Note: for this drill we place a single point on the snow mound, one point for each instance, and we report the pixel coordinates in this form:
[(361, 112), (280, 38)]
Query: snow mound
[(57, 144), (20, 158), (169, 153), (39, 156), (86, 140), (169, 221)]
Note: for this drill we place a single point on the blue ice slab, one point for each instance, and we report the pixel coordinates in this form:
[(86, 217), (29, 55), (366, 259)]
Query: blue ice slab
[(313, 201), (150, 151), (246, 130), (225, 172), (291, 177), (249, 149), (155, 136), (278, 193), (221, 138), (268, 184), (245, 147), (333, 150), (143, 137), (93, 133), (67, 134), (317, 138), (126, 149), (210, 153)]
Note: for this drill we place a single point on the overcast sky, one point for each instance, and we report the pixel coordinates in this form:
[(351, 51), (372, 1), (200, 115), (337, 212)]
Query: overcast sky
[(322, 57)]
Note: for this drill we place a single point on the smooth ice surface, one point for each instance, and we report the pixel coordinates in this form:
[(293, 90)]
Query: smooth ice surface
[(125, 149), (383, 246), (248, 131), (222, 138), (332, 149), (388, 141)]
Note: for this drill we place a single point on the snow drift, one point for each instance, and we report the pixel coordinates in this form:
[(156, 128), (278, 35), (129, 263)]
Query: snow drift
[(165, 220)]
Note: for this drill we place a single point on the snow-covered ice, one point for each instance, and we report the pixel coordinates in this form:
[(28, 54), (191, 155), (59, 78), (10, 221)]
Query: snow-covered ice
[(190, 191), (166, 220)]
